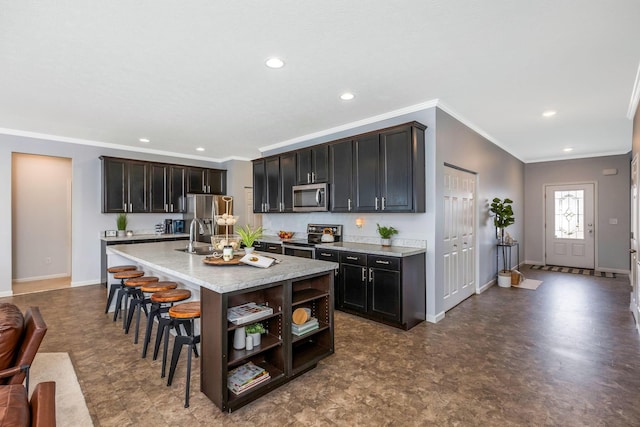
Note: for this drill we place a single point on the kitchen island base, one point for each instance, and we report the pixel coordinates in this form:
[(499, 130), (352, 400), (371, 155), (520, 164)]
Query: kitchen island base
[(282, 354)]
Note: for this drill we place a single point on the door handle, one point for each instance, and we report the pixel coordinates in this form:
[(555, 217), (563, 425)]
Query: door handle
[(632, 251)]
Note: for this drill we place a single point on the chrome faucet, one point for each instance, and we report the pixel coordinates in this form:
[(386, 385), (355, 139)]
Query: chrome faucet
[(192, 233)]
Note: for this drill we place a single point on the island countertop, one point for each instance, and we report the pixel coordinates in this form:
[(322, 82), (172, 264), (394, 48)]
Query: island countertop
[(163, 257)]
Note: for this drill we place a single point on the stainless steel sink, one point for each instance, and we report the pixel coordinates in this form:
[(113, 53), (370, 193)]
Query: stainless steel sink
[(200, 250)]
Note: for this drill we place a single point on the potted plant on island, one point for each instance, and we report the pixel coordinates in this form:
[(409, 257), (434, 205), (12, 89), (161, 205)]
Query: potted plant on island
[(254, 331), (503, 217), (248, 236), (121, 223), (385, 234)]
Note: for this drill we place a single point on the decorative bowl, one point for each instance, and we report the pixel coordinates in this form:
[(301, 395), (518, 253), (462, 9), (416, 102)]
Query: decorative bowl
[(285, 234)]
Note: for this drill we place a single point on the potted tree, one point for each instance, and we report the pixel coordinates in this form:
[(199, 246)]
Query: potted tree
[(503, 217), (121, 223), (248, 236), (385, 234), (254, 331)]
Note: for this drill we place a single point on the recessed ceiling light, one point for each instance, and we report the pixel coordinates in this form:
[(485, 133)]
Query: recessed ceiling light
[(549, 113), (274, 63), (200, 149), (145, 140), (347, 96), (567, 150)]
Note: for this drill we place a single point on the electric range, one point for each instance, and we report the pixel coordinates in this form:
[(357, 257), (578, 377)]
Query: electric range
[(307, 248)]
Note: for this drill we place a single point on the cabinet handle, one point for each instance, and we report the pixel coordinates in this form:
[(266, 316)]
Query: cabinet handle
[(166, 207), (382, 262), (171, 207), (308, 178), (354, 258), (313, 177), (125, 207), (348, 204), (364, 274), (376, 203), (383, 203), (371, 274), (324, 254), (130, 207)]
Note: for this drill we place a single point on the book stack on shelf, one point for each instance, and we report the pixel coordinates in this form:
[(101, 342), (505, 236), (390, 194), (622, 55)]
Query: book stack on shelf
[(307, 326), (247, 313), (246, 377)]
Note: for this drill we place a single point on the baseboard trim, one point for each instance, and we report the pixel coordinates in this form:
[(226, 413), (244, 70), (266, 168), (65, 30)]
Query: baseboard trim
[(613, 270), (435, 319), (486, 286), (6, 294), (32, 279), (85, 283)]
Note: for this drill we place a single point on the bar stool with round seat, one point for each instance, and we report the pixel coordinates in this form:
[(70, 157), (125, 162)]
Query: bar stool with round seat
[(132, 291), (115, 286), (123, 276), (139, 304), (160, 304), (187, 311)]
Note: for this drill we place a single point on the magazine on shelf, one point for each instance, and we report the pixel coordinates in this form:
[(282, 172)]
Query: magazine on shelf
[(245, 377), (250, 385), (247, 312)]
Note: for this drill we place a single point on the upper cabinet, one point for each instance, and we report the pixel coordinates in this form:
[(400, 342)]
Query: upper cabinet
[(134, 186), (273, 181), (312, 165), (207, 181), (125, 186)]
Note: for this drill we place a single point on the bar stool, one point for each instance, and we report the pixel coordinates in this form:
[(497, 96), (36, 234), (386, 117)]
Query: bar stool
[(132, 290), (160, 304), (187, 311), (139, 304), (115, 286), (123, 276)]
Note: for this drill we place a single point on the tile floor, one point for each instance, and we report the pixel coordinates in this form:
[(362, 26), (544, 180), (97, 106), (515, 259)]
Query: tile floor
[(566, 354)]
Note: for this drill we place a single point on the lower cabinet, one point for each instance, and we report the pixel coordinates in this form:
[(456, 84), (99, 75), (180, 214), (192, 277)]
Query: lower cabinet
[(281, 353), (390, 290)]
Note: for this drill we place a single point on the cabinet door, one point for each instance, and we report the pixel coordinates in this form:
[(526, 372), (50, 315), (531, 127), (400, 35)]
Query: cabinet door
[(272, 167), (158, 202), (303, 166), (384, 295), (320, 163), (353, 287), (114, 183), (176, 194), (287, 180), (332, 256), (366, 173), (341, 176), (216, 181), (138, 177), (259, 186), (195, 180), (396, 170)]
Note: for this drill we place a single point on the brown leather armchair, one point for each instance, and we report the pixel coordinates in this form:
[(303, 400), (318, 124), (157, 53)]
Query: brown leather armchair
[(20, 339), (16, 410)]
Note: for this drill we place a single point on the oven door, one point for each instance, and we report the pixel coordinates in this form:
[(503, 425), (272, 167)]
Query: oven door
[(300, 251)]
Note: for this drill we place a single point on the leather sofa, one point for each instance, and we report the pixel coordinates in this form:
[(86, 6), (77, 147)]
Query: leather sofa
[(16, 410)]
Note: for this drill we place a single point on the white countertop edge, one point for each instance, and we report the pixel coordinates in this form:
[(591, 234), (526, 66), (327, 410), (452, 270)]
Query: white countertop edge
[(392, 251)]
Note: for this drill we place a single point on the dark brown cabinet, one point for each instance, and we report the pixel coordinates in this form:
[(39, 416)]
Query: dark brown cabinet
[(332, 256), (341, 176), (206, 181), (167, 189), (273, 181), (386, 289), (125, 186), (312, 165)]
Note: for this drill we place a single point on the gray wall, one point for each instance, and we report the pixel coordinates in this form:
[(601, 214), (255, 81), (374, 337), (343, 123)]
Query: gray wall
[(612, 199), (87, 220)]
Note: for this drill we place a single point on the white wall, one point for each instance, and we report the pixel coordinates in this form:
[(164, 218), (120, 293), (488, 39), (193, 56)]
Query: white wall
[(41, 209), (87, 220), (612, 202)]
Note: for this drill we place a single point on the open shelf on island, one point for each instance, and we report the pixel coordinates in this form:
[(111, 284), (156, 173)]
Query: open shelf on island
[(321, 327), (267, 341), (309, 349), (304, 295)]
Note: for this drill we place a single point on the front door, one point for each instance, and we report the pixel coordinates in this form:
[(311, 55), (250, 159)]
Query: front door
[(570, 227), (459, 236)]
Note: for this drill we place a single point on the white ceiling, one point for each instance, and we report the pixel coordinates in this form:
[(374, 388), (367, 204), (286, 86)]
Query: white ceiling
[(189, 74)]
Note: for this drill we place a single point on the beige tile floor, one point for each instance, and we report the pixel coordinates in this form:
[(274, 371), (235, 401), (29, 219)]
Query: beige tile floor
[(566, 354)]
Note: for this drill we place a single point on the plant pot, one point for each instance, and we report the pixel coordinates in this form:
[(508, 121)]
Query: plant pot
[(504, 278), (385, 242), (121, 233), (247, 251), (255, 337)]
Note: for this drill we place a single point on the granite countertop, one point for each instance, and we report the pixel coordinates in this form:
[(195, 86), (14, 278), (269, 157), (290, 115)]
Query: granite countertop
[(394, 251), (163, 257), (145, 237)]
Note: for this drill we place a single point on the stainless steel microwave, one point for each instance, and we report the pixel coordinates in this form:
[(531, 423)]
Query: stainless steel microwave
[(311, 198)]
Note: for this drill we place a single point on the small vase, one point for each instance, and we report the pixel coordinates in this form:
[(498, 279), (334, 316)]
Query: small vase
[(255, 337), (385, 242), (239, 338), (121, 233), (247, 251)]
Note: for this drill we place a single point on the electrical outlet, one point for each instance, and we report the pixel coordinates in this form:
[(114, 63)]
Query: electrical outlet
[(47, 260)]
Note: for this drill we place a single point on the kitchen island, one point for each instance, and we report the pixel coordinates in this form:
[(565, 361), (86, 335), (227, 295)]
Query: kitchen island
[(292, 283)]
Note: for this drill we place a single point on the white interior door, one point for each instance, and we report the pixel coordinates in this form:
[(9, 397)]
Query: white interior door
[(633, 244), (459, 236), (570, 228), (254, 220)]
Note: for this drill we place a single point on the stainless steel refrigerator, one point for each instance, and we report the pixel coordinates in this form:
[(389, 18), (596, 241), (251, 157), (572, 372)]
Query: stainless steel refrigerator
[(205, 207)]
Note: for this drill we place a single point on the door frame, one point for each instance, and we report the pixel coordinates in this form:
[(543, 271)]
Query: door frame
[(595, 217)]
